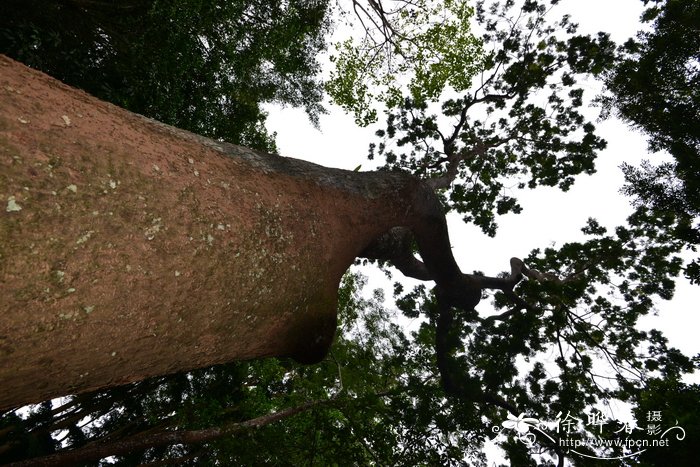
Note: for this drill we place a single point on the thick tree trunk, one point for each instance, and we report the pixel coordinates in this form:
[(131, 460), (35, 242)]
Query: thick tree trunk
[(130, 249)]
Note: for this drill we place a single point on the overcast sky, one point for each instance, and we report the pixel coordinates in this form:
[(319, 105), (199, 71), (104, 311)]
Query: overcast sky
[(549, 216)]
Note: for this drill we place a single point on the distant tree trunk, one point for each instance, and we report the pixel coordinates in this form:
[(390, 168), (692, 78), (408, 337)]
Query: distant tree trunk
[(129, 248), (97, 451)]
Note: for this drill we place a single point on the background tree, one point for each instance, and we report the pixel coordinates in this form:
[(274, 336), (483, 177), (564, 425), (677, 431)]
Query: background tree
[(655, 86), (670, 403), (206, 67), (422, 46), (433, 396)]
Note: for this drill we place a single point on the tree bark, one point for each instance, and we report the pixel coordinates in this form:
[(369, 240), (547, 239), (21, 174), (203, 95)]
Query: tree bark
[(129, 248)]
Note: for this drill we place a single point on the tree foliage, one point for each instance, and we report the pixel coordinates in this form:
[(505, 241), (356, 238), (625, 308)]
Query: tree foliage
[(519, 125), (522, 124), (676, 404), (202, 66), (419, 47), (655, 86)]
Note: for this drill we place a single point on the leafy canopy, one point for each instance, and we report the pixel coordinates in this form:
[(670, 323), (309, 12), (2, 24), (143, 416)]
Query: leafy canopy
[(566, 340), (420, 48), (655, 86), (519, 124), (203, 66)]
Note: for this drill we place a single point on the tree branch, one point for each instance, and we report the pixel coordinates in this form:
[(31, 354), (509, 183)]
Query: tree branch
[(457, 383)]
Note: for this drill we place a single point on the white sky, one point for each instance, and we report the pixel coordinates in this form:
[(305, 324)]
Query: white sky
[(549, 215)]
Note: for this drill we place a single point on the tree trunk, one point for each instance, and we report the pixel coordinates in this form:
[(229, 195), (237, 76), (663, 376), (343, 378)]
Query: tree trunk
[(129, 248), (96, 451)]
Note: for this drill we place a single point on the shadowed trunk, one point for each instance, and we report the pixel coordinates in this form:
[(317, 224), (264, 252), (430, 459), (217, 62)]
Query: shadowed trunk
[(129, 248)]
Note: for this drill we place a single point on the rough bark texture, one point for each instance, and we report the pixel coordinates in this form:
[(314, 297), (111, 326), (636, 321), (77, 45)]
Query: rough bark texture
[(130, 249)]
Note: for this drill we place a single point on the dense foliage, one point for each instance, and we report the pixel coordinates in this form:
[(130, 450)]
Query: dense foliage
[(423, 46), (656, 87), (202, 66), (520, 124), (565, 342)]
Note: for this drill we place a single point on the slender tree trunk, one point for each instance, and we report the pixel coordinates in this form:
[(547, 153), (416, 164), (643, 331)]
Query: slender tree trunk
[(96, 451), (129, 248)]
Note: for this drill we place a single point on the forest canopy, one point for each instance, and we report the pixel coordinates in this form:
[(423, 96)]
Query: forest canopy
[(206, 67)]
